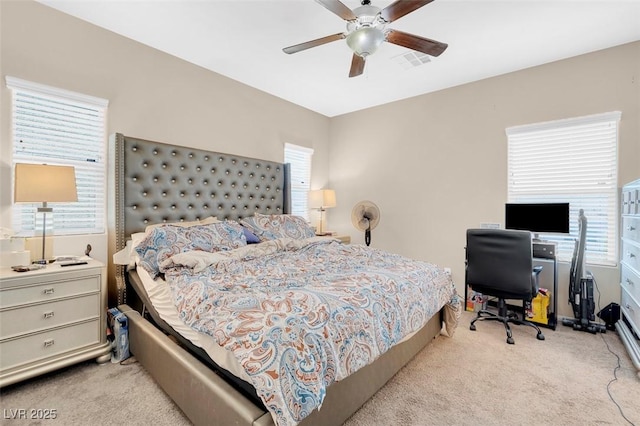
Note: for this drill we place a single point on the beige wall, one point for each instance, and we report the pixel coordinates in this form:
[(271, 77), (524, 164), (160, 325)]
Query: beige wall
[(437, 164), (151, 95)]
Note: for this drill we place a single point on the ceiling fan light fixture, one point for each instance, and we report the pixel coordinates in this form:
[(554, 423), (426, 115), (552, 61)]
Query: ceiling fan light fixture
[(365, 41)]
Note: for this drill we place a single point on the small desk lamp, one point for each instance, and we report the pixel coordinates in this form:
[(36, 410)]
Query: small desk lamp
[(35, 183), (322, 199)]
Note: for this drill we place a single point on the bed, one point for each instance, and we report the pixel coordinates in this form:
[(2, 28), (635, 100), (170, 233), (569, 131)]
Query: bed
[(196, 192)]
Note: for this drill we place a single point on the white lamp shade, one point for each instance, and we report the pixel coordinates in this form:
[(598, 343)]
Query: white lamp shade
[(322, 199), (42, 183)]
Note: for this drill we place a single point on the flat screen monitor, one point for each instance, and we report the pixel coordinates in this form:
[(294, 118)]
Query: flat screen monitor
[(538, 217)]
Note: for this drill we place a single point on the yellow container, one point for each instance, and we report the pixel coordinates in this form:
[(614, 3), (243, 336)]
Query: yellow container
[(540, 308)]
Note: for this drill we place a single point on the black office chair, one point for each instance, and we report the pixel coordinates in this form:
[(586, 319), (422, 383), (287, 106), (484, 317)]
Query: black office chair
[(499, 263)]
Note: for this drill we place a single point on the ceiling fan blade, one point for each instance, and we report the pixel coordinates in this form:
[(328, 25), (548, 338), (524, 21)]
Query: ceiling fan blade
[(339, 9), (421, 44), (400, 8), (357, 66), (313, 43)]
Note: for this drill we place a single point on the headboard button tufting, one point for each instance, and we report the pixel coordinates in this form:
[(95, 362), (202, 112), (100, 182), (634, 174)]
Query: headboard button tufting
[(164, 183)]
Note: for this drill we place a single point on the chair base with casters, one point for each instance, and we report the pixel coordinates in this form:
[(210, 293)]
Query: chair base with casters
[(505, 317)]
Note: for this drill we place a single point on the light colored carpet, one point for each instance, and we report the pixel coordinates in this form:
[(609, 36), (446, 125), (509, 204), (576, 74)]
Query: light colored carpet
[(474, 378)]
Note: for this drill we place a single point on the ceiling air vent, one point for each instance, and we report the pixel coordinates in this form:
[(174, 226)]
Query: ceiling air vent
[(412, 59)]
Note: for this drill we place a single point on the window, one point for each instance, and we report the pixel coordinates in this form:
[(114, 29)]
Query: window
[(574, 160), (59, 127), (300, 159)]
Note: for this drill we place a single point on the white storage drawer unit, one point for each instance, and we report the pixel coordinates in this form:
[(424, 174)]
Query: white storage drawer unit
[(629, 325), (51, 318)]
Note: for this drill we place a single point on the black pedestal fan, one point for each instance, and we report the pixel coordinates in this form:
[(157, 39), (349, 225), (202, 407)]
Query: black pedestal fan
[(365, 216)]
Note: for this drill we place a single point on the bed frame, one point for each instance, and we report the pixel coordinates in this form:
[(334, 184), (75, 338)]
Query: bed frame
[(151, 182)]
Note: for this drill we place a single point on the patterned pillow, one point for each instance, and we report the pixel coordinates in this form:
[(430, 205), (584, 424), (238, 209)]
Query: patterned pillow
[(270, 227), (164, 241)]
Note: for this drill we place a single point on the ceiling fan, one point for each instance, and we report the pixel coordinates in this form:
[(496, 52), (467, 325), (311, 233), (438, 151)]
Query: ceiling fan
[(366, 31)]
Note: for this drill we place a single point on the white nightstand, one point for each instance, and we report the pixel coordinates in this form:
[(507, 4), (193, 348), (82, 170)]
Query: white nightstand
[(51, 318)]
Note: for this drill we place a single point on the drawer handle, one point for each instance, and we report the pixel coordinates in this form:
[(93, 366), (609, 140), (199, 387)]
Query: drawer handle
[(630, 255), (629, 281), (48, 343), (48, 291), (48, 315), (630, 228)]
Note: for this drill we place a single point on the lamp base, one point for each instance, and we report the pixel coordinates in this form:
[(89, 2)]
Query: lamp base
[(34, 245)]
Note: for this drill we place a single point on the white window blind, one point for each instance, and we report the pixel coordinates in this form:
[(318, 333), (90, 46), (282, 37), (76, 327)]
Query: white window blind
[(300, 159), (576, 161), (59, 127)]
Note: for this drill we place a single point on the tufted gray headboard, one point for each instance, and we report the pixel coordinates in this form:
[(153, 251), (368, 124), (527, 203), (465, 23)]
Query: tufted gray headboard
[(152, 182)]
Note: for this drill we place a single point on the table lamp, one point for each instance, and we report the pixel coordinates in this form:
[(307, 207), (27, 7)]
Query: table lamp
[(42, 183), (322, 199)]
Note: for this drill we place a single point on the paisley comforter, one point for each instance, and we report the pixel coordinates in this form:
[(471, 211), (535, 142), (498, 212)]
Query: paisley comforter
[(301, 314)]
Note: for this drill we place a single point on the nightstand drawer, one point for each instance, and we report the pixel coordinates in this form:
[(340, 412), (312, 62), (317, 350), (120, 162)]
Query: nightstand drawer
[(47, 344), (47, 315), (20, 295)]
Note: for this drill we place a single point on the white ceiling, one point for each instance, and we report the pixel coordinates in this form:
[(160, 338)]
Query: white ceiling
[(243, 40)]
